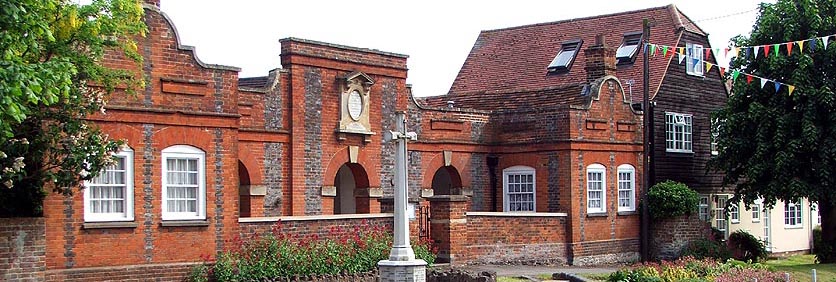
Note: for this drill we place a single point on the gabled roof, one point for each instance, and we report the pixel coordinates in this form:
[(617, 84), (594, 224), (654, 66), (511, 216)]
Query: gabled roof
[(253, 82), (517, 57)]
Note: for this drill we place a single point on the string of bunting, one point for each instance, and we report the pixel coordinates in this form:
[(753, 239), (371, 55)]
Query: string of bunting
[(748, 51)]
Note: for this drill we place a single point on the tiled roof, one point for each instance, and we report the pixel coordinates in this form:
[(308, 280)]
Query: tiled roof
[(517, 57), (522, 99), (253, 82)]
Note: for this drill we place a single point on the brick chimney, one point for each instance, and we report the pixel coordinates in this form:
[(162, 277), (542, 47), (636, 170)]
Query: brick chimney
[(155, 3), (600, 59)]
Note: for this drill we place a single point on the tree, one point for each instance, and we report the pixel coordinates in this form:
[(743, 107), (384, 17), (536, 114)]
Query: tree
[(782, 146), (51, 54)]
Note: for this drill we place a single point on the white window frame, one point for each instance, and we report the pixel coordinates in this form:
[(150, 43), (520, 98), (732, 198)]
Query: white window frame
[(704, 208), (694, 51), (628, 186), (596, 168), (815, 208), (756, 212), (521, 171), (128, 208), (720, 220), (793, 218), (734, 213), (188, 152), (715, 134), (673, 123)]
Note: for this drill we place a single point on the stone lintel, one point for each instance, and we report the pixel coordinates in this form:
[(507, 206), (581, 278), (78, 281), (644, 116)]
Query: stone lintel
[(329, 191), (371, 192), (252, 190)]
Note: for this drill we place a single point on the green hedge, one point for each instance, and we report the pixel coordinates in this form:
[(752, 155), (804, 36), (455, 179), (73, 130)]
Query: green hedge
[(671, 199)]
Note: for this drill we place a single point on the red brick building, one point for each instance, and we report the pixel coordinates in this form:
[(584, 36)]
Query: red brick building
[(524, 160)]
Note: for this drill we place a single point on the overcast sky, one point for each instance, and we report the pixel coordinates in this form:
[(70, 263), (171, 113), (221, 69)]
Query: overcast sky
[(437, 35)]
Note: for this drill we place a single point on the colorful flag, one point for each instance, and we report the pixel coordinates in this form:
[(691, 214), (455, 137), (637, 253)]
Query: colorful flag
[(681, 57), (735, 74), (763, 82), (727, 52), (792, 88), (722, 71), (789, 49), (766, 50), (652, 49), (708, 66), (664, 51), (707, 53), (800, 46), (748, 79), (824, 40), (777, 86), (813, 43), (757, 48), (777, 49)]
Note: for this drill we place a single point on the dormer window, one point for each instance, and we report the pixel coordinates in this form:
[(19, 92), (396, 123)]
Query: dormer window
[(565, 57), (626, 53)]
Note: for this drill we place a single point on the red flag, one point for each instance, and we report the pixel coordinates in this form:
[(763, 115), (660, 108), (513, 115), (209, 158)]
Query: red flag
[(789, 48), (766, 50), (748, 79), (722, 71), (707, 53), (727, 52)]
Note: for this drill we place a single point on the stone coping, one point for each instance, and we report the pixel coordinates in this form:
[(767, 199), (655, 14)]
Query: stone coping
[(518, 214), (314, 217)]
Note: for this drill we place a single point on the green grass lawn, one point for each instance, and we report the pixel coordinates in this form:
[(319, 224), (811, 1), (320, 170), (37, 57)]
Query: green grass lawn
[(800, 268)]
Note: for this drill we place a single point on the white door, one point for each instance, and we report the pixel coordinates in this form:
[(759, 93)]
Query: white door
[(767, 223)]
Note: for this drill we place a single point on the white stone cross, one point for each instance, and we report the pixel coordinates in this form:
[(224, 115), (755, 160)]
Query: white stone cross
[(401, 249)]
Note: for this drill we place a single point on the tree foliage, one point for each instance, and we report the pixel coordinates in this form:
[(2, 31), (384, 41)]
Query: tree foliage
[(51, 52), (778, 146), (671, 199)]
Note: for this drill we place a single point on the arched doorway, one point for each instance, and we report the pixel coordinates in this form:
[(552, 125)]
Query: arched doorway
[(349, 178), (447, 181), (243, 198)]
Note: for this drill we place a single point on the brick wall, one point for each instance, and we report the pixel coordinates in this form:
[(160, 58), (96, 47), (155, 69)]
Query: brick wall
[(670, 235), (516, 238), (332, 226), (170, 272), (22, 249)]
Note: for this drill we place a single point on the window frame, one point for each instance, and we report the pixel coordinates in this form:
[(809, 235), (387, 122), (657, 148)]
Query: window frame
[(631, 170), (795, 211), (734, 213), (705, 216), (574, 45), (184, 152), (721, 221), (814, 207), (691, 68), (128, 214), (629, 37), (596, 168), (756, 213), (518, 170), (687, 127)]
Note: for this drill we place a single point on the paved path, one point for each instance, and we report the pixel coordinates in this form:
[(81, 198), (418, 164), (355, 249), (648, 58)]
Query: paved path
[(534, 270)]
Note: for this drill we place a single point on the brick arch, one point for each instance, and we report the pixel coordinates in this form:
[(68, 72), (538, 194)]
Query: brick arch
[(253, 168), (437, 162), (360, 169), (194, 137)]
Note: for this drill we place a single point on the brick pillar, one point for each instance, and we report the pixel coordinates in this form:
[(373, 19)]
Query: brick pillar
[(448, 226)]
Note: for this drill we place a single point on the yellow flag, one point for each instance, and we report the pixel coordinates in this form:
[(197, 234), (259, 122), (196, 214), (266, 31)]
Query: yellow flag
[(792, 88)]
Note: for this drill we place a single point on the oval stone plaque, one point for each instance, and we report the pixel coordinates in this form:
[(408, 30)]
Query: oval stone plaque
[(355, 105)]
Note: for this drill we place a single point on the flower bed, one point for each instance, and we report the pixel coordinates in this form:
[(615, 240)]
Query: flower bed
[(277, 255), (690, 269)]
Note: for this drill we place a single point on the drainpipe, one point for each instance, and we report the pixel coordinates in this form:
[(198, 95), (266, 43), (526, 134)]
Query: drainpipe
[(493, 161)]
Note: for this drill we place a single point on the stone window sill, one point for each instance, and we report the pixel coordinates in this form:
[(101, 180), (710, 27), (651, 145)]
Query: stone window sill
[(109, 224), (628, 213), (596, 214), (184, 223)]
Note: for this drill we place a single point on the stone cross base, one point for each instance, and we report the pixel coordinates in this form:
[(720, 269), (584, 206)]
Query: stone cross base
[(402, 271)]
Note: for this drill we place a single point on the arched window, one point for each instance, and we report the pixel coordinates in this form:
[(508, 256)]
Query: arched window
[(110, 196), (184, 183), (626, 188), (519, 188), (596, 188)]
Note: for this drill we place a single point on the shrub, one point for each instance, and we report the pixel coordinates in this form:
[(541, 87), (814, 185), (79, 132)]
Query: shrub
[(671, 199), (694, 270), (746, 247), (705, 248), (822, 250), (277, 255)]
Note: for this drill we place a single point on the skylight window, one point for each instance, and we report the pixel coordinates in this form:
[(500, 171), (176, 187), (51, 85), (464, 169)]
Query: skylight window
[(626, 53), (565, 57)]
